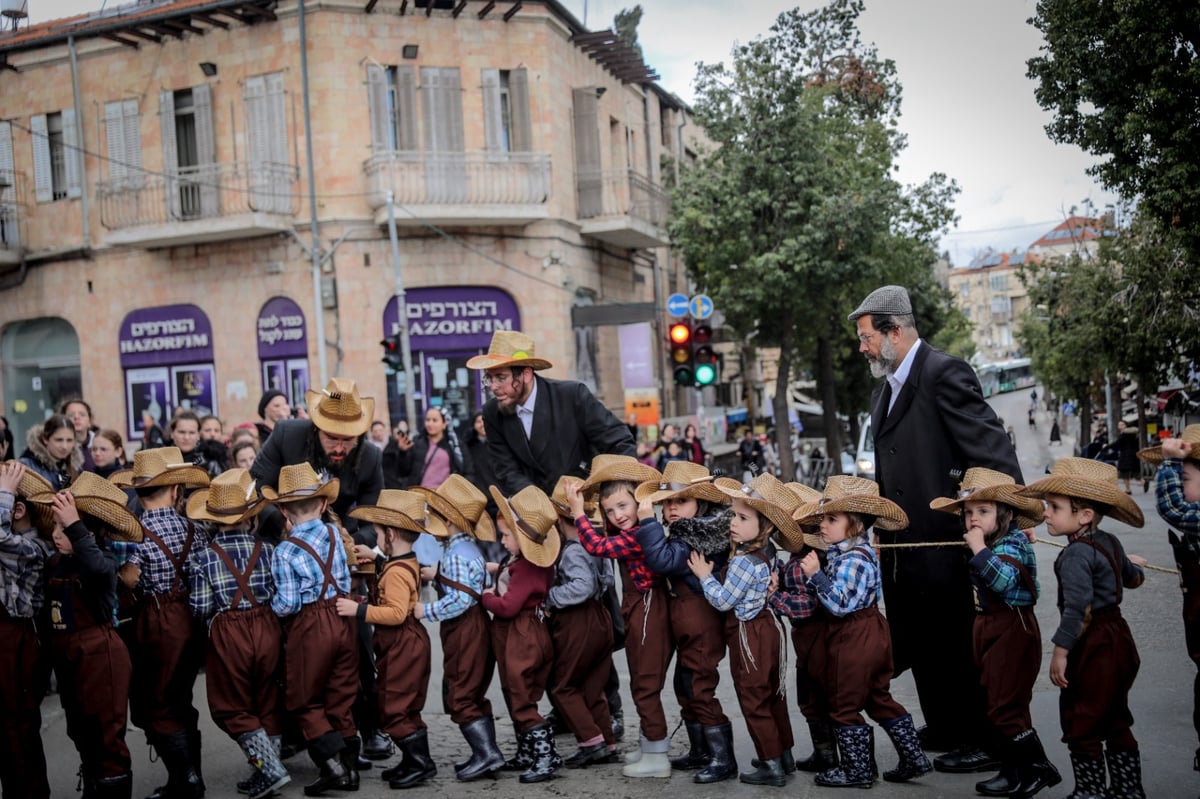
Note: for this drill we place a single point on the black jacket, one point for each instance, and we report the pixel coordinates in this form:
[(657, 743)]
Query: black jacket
[(410, 466)]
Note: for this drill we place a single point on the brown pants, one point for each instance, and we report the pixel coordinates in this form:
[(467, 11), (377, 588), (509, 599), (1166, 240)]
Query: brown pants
[(167, 665), (525, 664), (467, 666), (321, 656), (1101, 668), (1008, 652), (858, 670), (402, 670), (755, 666), (808, 642), (1189, 581), (241, 671), (648, 653), (582, 637), (698, 630), (22, 760), (93, 670)]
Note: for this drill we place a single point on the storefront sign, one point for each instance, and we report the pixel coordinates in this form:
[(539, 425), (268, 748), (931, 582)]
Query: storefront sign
[(453, 317), (281, 330), (169, 334)]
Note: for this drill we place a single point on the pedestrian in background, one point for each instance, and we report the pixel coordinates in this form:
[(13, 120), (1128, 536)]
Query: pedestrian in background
[(1055, 432), (53, 452)]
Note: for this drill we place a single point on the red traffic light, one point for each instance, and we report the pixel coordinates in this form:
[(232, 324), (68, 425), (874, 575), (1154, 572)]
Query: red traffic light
[(680, 333)]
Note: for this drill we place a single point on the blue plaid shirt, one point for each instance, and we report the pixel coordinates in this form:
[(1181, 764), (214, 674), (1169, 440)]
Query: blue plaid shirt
[(745, 588), (462, 563), (850, 579), (1176, 511), (22, 562), (298, 577), (158, 573), (988, 571), (213, 585), (794, 600)]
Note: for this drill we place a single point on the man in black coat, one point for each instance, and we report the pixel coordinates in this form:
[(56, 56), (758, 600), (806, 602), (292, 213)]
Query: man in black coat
[(930, 424), (540, 429)]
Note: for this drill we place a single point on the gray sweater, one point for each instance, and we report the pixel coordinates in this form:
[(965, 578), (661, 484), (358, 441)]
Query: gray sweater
[(580, 577), (1088, 583)]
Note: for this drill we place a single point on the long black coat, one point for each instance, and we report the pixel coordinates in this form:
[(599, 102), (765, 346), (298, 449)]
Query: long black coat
[(570, 427)]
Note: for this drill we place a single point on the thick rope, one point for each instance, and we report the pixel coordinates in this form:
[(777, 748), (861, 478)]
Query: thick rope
[(919, 544)]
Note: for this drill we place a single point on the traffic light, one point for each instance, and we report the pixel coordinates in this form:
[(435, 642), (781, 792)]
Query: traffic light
[(682, 366), (391, 353), (703, 357)]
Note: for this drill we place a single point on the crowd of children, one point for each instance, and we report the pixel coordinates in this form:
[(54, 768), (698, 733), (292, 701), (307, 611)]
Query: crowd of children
[(701, 578)]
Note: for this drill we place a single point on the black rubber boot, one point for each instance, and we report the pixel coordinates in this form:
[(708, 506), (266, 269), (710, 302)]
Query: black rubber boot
[(824, 756), (119, 787), (1035, 769), (329, 753), (194, 751), (769, 772), (697, 755), (182, 780), (377, 746), (722, 765), (486, 757), (350, 757), (1009, 778), (416, 752)]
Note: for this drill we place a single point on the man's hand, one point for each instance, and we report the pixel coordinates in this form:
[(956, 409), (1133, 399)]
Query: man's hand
[(699, 565), (347, 606), (10, 475), (574, 497), (811, 564), (1058, 667), (65, 512)]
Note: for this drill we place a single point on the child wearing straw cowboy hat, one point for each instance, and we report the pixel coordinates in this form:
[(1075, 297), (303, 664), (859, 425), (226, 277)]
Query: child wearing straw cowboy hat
[(858, 671), (527, 523), (402, 652), (757, 650), (231, 590), (581, 631), (1095, 659), (320, 648), (168, 652), (1008, 641), (697, 520), (25, 528), (90, 661), (1177, 498), (467, 662), (614, 479)]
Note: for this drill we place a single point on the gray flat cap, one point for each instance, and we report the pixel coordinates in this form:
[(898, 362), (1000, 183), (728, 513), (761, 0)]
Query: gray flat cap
[(887, 300)]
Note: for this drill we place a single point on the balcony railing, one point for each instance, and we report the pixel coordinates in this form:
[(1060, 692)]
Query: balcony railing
[(12, 211), (190, 194), (461, 186), (623, 208)]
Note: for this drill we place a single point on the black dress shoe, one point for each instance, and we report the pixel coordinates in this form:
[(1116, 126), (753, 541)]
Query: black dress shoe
[(966, 760), (587, 755), (932, 741), (377, 746)]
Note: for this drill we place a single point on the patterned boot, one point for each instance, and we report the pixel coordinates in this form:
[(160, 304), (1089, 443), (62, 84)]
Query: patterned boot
[(1125, 775), (913, 762), (1090, 777), (545, 756), (523, 759), (854, 756), (263, 758)]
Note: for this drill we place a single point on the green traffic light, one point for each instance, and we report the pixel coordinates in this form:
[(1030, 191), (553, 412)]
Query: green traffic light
[(706, 374)]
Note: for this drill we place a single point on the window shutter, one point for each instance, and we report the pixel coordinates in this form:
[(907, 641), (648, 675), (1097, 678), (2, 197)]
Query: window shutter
[(257, 143), (166, 124), (43, 179), (588, 175), (114, 137), (406, 109), (452, 91), (133, 143), (206, 150), (72, 154), (377, 104), (9, 222), (280, 180), (518, 102), (493, 120)]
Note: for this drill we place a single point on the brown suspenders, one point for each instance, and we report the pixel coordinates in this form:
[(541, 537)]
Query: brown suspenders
[(241, 578)]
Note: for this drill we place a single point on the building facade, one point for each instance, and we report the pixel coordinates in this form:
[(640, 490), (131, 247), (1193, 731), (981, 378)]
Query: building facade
[(990, 292), (170, 164)]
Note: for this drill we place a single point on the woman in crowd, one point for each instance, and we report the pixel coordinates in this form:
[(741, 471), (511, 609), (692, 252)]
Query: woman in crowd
[(80, 414), (184, 430), (108, 453), (428, 459), (693, 447), (52, 452)]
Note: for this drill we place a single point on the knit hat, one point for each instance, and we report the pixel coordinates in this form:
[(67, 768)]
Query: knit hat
[(987, 485), (886, 300), (267, 396), (1095, 481)]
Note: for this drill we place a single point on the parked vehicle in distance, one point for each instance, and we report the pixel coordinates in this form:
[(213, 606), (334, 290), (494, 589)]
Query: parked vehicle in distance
[(1005, 376), (864, 459)]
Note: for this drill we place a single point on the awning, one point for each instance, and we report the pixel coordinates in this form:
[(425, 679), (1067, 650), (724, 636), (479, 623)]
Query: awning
[(736, 415), (1164, 397)]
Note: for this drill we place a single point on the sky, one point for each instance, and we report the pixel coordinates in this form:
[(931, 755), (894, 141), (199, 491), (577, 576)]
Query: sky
[(968, 110)]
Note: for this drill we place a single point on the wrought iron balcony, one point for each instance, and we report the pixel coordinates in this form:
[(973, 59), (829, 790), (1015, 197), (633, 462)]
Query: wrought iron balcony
[(459, 188), (12, 212), (623, 208), (212, 202)]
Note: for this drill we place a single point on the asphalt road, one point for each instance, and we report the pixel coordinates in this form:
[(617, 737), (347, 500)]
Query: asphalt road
[(1161, 701)]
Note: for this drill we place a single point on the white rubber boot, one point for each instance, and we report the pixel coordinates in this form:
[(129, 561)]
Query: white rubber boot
[(653, 762)]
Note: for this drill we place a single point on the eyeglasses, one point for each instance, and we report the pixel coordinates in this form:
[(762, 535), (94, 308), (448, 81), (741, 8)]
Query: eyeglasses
[(498, 379), (864, 338)]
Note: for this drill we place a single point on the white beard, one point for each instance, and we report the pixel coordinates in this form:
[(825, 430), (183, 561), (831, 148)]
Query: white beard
[(886, 363)]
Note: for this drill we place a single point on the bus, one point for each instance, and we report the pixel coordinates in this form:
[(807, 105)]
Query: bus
[(1005, 376)]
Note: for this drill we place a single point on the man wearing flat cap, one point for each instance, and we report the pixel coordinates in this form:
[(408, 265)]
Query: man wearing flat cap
[(930, 423)]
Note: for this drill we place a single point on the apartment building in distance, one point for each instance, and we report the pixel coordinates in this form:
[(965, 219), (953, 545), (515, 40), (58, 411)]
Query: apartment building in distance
[(166, 166)]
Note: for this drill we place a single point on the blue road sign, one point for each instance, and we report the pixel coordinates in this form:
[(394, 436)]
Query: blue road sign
[(701, 306), (677, 305)]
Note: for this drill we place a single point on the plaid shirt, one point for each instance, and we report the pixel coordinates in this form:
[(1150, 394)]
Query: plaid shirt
[(213, 585), (622, 546), (1176, 511), (461, 562), (988, 571), (158, 573), (794, 600), (22, 560), (849, 581), (745, 588), (298, 577)]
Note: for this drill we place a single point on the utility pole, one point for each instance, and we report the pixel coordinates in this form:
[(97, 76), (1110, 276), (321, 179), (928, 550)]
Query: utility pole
[(410, 406)]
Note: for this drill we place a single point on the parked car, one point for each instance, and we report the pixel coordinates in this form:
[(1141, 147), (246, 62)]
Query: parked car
[(864, 459)]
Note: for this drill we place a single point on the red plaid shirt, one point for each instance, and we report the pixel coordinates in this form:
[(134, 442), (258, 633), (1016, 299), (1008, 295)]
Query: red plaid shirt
[(622, 546)]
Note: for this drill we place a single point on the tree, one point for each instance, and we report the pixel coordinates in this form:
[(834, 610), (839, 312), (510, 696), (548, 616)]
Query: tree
[(1123, 83), (625, 25), (793, 215)]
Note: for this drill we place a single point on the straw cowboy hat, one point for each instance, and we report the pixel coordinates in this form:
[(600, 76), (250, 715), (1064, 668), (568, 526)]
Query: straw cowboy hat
[(987, 485), (1084, 478), (558, 498), (32, 485), (298, 482), (612, 468), (459, 502), (509, 348), (160, 466), (231, 498), (769, 497), (804, 493), (680, 480), (845, 494), (530, 516), (97, 497), (405, 510), (338, 409), (1190, 436)]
